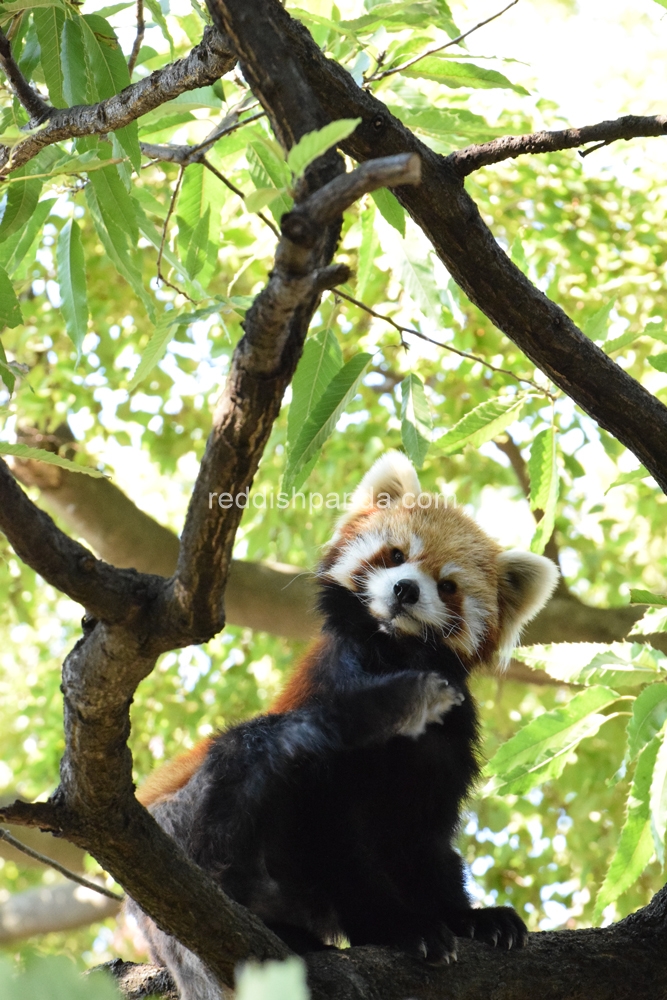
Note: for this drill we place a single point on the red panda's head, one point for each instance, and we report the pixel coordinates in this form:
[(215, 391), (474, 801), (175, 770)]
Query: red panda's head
[(420, 566)]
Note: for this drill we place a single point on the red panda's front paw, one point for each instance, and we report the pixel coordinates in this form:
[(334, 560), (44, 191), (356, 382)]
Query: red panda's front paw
[(436, 696), (436, 945), (498, 926)]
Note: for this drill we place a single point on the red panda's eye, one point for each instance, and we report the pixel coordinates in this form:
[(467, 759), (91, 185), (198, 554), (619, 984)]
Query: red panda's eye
[(397, 557), (447, 587)]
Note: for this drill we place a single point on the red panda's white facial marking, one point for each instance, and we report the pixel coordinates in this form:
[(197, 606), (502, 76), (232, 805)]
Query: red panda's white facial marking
[(430, 570)]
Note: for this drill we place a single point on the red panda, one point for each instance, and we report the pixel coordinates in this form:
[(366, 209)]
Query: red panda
[(333, 815)]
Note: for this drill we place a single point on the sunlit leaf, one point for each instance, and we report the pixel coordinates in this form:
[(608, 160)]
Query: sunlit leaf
[(635, 846), (646, 597), (456, 74), (482, 424), (22, 198), (544, 481), (649, 714), (629, 477), (10, 310), (540, 751), (49, 23), (321, 360), (40, 455), (314, 144), (323, 418), (76, 85), (272, 981), (597, 326), (72, 282), (658, 799), (416, 422), (370, 244)]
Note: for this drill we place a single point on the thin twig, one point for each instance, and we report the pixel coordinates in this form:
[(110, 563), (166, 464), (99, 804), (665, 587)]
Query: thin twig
[(185, 154), (447, 347), (141, 28), (37, 108), (439, 48), (232, 187), (591, 149), (172, 205), (6, 836)]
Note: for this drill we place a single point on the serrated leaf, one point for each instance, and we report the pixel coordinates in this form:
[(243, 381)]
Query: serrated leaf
[(456, 74), (198, 249), (16, 6), (598, 325), (397, 16), (321, 360), (390, 209), (635, 845), (544, 481), (323, 418), (607, 668), (160, 20), (646, 597), (16, 250), (370, 244), (267, 169), (649, 714), (160, 339), (10, 310), (540, 751), (629, 477), (49, 23), (314, 144), (40, 455), (115, 203), (76, 85), (658, 799), (449, 123), (72, 282), (482, 424), (416, 422), (22, 199), (415, 272), (109, 72)]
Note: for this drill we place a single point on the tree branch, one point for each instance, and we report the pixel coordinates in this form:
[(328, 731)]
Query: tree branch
[(37, 108), (452, 222), (207, 62), (52, 908), (49, 862), (262, 367), (508, 147), (105, 591)]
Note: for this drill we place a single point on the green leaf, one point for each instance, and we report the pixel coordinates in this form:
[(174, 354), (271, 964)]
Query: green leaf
[(370, 244), (7, 376), (10, 310), (658, 799), (390, 209), (456, 74), (649, 714), (415, 271), (161, 21), (22, 198), (76, 85), (116, 205), (321, 360), (482, 424), (449, 123), (416, 423), (261, 197), (198, 250), (607, 668), (323, 418), (16, 252), (646, 597), (72, 282), (399, 15), (540, 751), (518, 254), (659, 362), (635, 845), (160, 339), (39, 455), (49, 23), (16, 6), (629, 477), (108, 68), (597, 326), (268, 169), (314, 144), (201, 191), (544, 481)]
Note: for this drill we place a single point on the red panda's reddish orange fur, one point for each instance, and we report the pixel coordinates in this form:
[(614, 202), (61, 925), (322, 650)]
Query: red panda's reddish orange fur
[(168, 778)]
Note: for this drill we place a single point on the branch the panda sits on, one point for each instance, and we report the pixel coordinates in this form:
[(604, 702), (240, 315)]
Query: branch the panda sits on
[(334, 815)]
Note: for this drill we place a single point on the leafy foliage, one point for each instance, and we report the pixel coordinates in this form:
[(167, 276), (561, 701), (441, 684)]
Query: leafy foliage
[(90, 334)]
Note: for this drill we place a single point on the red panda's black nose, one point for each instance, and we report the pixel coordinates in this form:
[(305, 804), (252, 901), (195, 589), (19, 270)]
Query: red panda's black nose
[(407, 591)]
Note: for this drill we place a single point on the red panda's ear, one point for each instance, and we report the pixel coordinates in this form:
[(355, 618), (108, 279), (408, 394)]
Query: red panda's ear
[(525, 583), (386, 483)]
